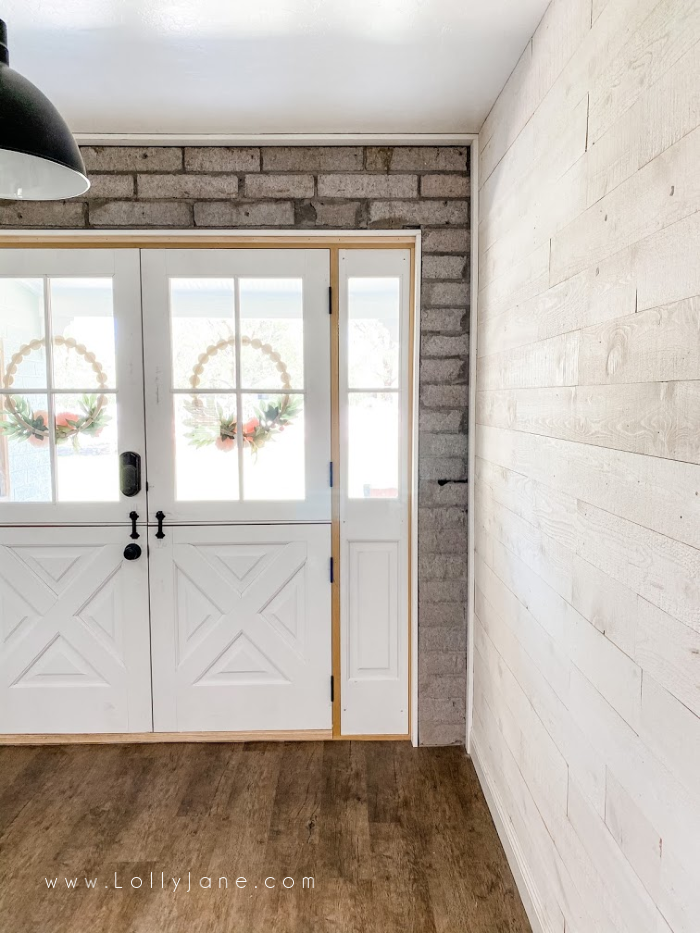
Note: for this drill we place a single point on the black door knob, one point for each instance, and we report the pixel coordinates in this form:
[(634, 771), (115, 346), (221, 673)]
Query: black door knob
[(132, 552)]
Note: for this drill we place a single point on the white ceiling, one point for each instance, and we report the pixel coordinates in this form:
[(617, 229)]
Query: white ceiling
[(270, 66)]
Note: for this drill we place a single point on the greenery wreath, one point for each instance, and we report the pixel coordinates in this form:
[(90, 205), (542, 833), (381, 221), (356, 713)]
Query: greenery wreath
[(210, 423), (21, 422)]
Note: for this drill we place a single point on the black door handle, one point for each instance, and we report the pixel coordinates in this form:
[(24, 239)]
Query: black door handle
[(132, 552), (160, 516), (134, 518)]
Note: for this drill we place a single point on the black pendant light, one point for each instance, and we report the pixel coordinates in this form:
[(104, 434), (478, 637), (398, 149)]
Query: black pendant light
[(39, 159)]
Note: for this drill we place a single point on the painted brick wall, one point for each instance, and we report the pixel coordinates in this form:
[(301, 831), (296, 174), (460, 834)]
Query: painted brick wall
[(343, 188)]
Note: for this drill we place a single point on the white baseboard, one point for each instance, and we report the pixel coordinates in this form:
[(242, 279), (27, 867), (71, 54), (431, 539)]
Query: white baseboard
[(511, 846)]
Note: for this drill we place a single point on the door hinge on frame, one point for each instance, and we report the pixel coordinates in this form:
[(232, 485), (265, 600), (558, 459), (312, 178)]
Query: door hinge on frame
[(332, 571), (332, 688)]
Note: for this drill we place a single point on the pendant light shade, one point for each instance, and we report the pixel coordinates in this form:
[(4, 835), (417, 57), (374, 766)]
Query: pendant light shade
[(39, 159)]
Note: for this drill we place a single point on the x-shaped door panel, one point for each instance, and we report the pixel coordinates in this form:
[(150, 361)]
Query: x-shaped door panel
[(74, 633), (242, 625)]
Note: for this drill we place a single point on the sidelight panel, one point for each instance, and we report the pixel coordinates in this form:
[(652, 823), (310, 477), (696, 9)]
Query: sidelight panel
[(375, 447)]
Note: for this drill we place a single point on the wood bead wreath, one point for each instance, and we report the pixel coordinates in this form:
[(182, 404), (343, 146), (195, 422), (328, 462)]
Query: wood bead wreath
[(211, 424), (21, 422)]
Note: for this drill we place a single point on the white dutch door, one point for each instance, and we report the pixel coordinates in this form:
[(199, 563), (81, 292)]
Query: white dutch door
[(74, 631), (237, 349)]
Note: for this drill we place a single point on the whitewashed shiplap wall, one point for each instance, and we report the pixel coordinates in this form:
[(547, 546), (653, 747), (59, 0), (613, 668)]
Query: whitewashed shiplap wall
[(587, 567)]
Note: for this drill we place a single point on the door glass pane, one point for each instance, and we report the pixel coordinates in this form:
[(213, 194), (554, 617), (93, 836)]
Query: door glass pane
[(272, 334), (82, 321), (22, 349), (206, 456), (202, 324), (87, 465), (373, 333), (373, 445), (273, 447), (25, 461)]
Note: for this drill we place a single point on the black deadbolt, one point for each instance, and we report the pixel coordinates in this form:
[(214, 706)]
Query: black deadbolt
[(129, 473), (132, 552)]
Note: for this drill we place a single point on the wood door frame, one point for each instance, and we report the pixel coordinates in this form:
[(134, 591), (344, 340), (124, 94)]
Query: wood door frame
[(334, 241)]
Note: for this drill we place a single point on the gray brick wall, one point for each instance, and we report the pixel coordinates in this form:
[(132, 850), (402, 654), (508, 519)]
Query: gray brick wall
[(351, 187)]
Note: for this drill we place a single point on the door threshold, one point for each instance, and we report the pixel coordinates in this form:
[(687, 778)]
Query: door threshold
[(145, 738), (122, 738)]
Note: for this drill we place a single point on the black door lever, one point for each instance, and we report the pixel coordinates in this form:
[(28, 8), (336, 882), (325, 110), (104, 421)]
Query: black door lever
[(134, 518), (160, 516)]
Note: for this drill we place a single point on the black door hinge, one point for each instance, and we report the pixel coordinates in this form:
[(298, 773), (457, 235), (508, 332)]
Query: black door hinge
[(332, 688), (332, 572), (330, 299)]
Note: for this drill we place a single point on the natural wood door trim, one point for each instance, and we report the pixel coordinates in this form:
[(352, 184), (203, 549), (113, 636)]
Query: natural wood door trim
[(332, 243), (412, 466), (335, 492), (145, 738), (117, 738), (218, 241)]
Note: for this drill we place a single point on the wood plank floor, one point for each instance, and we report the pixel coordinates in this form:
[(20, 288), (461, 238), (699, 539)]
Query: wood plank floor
[(395, 838)]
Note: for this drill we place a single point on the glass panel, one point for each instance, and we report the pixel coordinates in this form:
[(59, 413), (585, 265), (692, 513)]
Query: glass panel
[(25, 461), (22, 333), (273, 447), (373, 445), (373, 333), (202, 333), (82, 321), (206, 458), (272, 333), (87, 465)]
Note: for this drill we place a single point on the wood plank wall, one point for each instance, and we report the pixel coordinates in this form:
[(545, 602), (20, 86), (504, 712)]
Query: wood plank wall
[(587, 568)]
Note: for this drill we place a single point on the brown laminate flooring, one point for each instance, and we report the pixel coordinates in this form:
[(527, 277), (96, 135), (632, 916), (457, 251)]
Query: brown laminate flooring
[(395, 838)]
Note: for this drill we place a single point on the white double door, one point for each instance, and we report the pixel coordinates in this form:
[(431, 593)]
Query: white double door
[(222, 618), (166, 491)]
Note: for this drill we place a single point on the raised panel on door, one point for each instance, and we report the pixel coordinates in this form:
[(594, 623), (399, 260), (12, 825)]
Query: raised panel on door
[(375, 446), (74, 638), (241, 628), (238, 384), (71, 384), (373, 610)]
